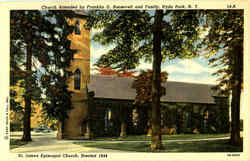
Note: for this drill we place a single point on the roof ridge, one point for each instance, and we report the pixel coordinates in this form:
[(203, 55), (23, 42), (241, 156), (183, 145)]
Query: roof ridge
[(193, 83), (114, 76)]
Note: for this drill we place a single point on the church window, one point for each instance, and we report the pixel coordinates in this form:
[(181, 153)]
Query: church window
[(77, 28), (107, 118), (77, 79), (187, 118), (205, 120), (206, 114), (135, 117)]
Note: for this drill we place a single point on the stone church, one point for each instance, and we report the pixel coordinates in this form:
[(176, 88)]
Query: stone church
[(103, 105)]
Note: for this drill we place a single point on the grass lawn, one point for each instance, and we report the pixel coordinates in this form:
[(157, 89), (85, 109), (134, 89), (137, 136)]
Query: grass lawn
[(179, 146), (164, 137), (14, 143), (183, 145)]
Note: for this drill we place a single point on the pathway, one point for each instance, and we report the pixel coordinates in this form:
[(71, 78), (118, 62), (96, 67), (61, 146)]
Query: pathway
[(48, 143)]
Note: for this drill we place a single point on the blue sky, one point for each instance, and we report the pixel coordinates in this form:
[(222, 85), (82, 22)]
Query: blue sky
[(194, 70)]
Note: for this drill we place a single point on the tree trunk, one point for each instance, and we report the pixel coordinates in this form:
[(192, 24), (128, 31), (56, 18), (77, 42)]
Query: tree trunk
[(236, 93), (235, 122), (27, 98), (156, 82)]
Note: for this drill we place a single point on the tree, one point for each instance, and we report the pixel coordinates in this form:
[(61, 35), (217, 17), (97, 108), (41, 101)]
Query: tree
[(39, 38), (146, 35), (225, 35), (22, 47), (156, 80), (143, 86), (16, 108), (56, 72)]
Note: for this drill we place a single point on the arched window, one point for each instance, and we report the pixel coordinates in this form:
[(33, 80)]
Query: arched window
[(77, 79), (205, 120), (77, 28), (206, 115), (135, 117)]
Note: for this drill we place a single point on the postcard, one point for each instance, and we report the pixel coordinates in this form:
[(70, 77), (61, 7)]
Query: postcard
[(124, 80)]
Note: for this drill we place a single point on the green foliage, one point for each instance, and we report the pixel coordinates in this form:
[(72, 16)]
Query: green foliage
[(14, 105), (225, 34), (131, 33), (57, 101), (136, 35), (222, 121), (45, 32)]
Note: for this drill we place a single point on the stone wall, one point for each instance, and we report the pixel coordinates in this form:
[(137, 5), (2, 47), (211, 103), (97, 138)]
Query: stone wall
[(176, 118), (106, 116)]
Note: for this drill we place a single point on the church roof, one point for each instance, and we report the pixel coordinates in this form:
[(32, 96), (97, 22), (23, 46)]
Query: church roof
[(109, 87)]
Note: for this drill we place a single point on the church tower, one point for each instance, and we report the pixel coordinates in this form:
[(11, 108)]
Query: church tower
[(76, 125)]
